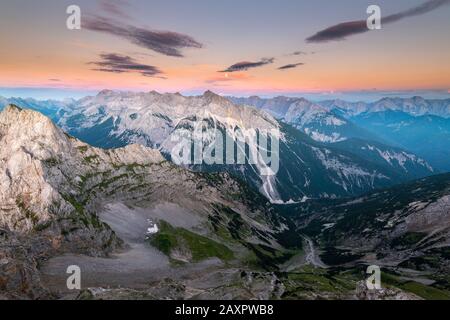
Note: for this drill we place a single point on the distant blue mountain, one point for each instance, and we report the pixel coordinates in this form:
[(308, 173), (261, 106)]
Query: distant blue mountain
[(415, 124), (427, 136), (53, 109)]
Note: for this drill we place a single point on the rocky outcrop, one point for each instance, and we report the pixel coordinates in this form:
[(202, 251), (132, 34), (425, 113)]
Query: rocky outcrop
[(52, 186), (363, 293), (19, 277), (233, 284)]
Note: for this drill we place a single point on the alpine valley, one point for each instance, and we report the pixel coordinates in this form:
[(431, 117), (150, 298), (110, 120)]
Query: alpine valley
[(92, 183)]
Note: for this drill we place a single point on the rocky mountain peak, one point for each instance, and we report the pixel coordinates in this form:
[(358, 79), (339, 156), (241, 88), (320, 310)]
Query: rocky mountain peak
[(40, 166), (28, 140), (214, 97), (105, 92), (13, 112), (31, 131), (13, 108), (209, 93)]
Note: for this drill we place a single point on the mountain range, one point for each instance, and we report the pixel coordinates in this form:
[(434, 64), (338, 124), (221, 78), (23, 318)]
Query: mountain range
[(308, 167), (54, 187), (85, 180), (414, 124)]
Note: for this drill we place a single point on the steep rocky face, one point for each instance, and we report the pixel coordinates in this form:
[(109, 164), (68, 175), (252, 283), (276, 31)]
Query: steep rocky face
[(53, 186), (416, 125), (317, 121), (398, 159), (323, 122), (308, 168), (28, 139), (149, 118), (33, 195), (333, 122), (19, 276), (35, 213)]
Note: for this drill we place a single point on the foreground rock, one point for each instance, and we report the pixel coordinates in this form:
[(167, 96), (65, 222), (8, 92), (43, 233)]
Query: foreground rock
[(52, 188)]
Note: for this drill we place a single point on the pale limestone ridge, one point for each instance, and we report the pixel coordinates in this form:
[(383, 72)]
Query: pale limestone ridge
[(29, 141)]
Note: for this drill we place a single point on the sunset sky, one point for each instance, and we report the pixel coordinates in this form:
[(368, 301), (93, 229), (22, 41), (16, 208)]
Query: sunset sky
[(231, 47)]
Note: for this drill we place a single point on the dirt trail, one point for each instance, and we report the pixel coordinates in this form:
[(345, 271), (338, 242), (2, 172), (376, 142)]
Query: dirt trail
[(308, 257), (311, 256)]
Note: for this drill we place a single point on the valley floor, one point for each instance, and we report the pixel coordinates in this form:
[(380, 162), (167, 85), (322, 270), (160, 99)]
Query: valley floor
[(137, 266), (142, 272)]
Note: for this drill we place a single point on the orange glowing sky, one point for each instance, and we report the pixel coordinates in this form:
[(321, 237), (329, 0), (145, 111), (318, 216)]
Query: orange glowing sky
[(39, 51)]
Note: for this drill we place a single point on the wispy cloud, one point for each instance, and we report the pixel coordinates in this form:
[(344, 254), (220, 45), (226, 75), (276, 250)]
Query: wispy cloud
[(245, 65), (301, 53), (291, 66), (115, 7), (298, 53), (111, 62), (343, 30), (165, 42)]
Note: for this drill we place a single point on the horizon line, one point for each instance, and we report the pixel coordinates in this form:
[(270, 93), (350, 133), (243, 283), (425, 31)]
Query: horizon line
[(376, 95)]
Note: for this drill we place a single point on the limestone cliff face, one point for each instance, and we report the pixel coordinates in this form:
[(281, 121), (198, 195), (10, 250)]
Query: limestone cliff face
[(27, 139), (39, 213), (40, 167), (52, 187)]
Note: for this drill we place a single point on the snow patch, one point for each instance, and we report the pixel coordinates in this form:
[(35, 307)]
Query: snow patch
[(321, 137), (152, 229)]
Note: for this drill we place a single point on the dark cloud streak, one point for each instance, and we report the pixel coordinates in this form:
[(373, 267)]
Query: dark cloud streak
[(291, 66), (342, 30), (299, 53), (116, 63), (245, 65), (165, 42)]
